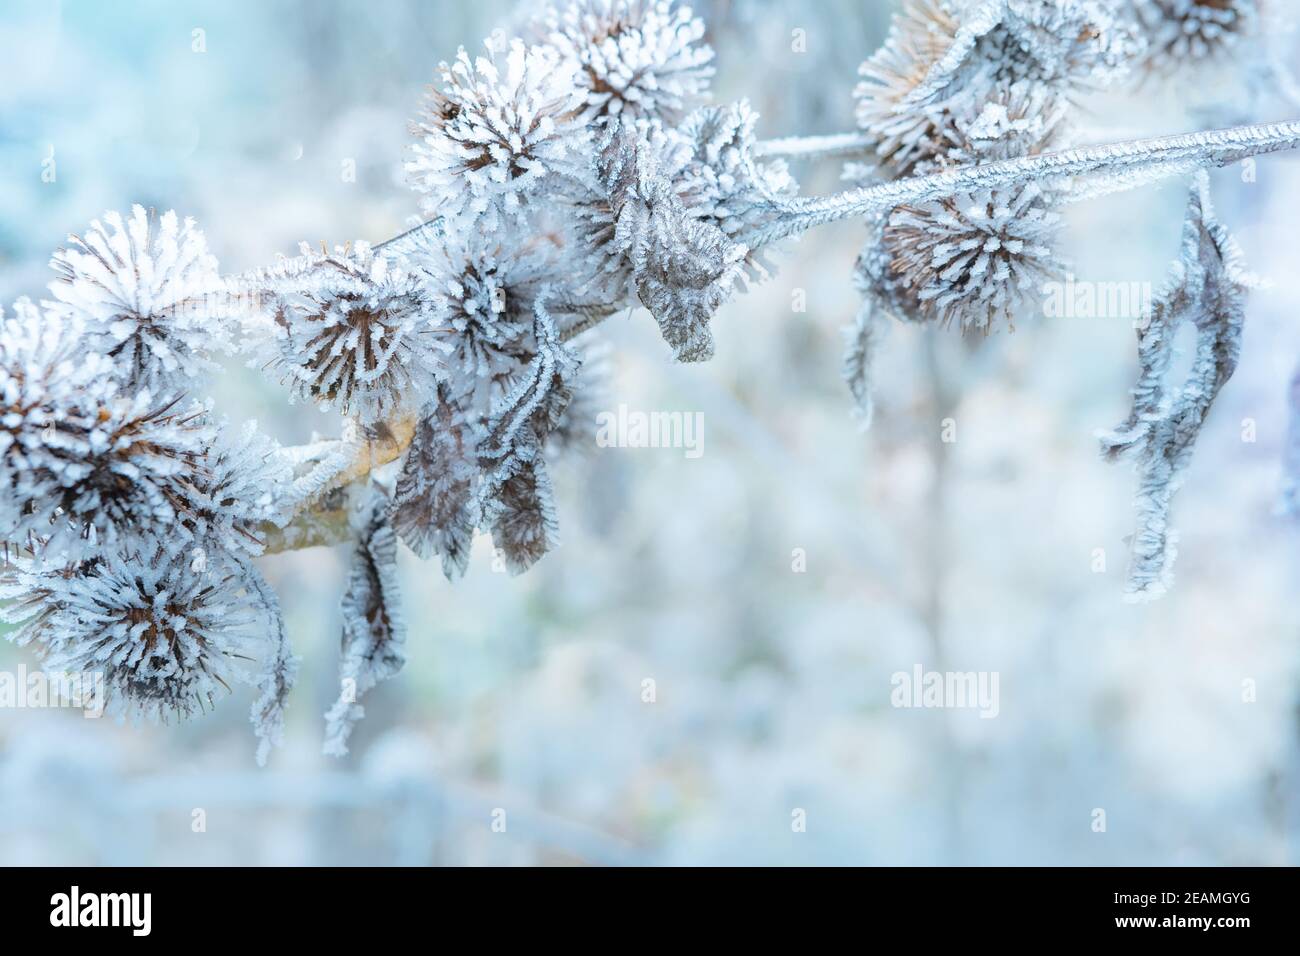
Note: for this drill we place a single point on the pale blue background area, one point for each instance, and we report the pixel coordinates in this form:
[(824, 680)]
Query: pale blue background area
[(772, 687)]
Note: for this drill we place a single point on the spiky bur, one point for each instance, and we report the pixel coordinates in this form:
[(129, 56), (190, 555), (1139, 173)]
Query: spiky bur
[(374, 632), (718, 178), (954, 87), (163, 640), (1207, 288), (978, 258), (636, 60), (1072, 45), (128, 512), (84, 467), (973, 261), (147, 294), (943, 64), (1184, 34), (1023, 118), (357, 333), (482, 290), (500, 126), (903, 139), (242, 489)]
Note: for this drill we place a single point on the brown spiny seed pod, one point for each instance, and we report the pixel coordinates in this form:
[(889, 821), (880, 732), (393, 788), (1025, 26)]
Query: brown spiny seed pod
[(358, 336), (906, 139), (1187, 33), (973, 259)]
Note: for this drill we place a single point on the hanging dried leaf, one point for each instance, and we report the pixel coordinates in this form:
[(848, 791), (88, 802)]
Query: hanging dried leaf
[(515, 495), (683, 268), (374, 633), (521, 513), (1207, 288), (278, 675), (433, 507)]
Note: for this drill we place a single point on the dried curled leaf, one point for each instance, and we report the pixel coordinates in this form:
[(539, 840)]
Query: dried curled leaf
[(374, 632), (683, 268), (279, 673), (521, 510), (515, 493), (1207, 288), (862, 342), (433, 507)]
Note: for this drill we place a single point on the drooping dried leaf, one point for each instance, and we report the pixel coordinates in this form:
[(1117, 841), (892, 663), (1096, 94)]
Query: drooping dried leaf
[(374, 632), (1206, 288), (433, 507)]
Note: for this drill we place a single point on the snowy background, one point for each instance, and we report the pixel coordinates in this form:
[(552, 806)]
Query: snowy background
[(772, 688)]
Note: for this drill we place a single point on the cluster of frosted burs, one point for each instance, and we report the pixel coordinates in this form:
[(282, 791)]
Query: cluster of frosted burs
[(564, 175)]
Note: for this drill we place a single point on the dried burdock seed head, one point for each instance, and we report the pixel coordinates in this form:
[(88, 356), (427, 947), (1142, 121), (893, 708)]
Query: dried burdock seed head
[(633, 59), (1187, 33), (974, 260), (1021, 119), (244, 484), (719, 179), (148, 290), (82, 466), (499, 126), (357, 336), (1073, 45), (163, 639), (905, 139), (483, 294)]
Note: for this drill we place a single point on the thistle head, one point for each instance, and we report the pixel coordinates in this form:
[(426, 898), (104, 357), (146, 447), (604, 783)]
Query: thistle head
[(639, 60), (905, 139), (165, 639), (498, 127), (357, 336), (146, 291), (83, 465), (973, 260)]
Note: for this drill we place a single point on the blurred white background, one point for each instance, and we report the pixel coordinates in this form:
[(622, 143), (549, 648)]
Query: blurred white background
[(772, 687)]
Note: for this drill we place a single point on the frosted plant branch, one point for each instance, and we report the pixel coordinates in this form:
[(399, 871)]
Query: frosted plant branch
[(1152, 158), (830, 146), (564, 177), (320, 524), (361, 449)]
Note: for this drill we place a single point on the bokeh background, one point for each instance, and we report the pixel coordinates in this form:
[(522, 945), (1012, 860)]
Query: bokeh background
[(772, 686)]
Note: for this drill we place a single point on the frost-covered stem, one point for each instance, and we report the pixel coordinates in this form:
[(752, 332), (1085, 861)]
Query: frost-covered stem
[(587, 318), (1212, 147), (313, 527), (376, 445), (320, 518), (835, 145), (362, 449)]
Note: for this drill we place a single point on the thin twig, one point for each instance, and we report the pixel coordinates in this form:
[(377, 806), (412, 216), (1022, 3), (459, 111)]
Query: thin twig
[(834, 145), (1144, 157)]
